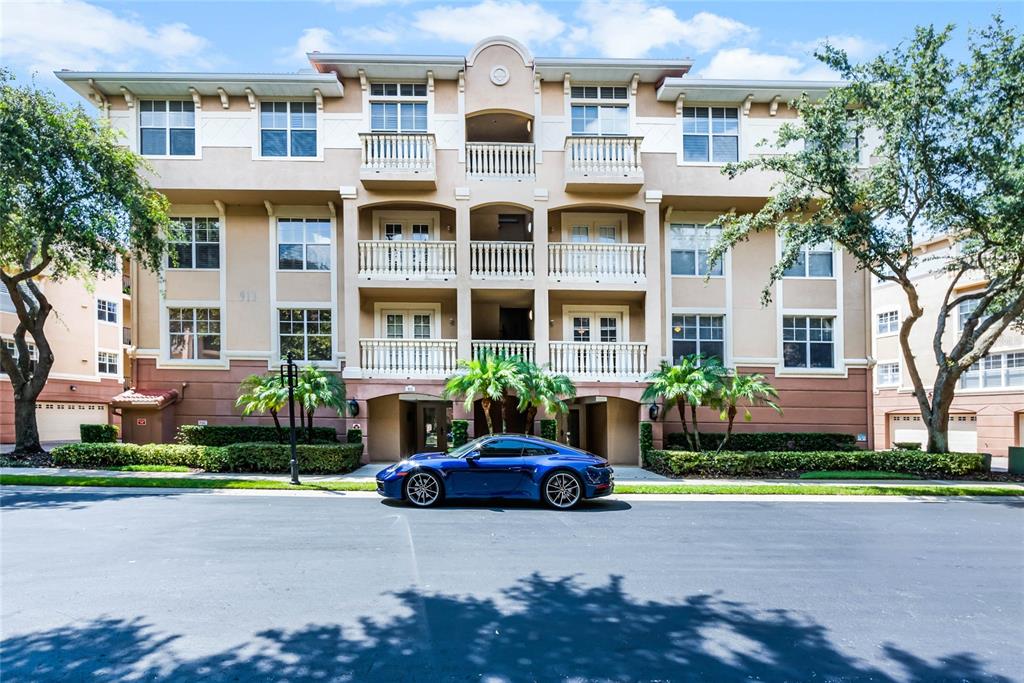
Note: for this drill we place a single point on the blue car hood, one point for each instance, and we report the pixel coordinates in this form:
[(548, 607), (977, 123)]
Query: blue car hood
[(428, 456)]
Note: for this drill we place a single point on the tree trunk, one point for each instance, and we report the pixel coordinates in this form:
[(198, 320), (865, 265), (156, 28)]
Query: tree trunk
[(309, 430), (696, 432), (277, 426), (26, 430), (485, 403), (27, 382), (682, 420), (531, 413), (504, 414), (728, 428), (937, 417)]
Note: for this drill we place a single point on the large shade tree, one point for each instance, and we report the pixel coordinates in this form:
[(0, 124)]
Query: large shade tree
[(947, 154), (72, 205)]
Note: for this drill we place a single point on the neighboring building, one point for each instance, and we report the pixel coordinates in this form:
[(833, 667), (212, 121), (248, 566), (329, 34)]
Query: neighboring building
[(389, 215), (988, 411), (89, 331)]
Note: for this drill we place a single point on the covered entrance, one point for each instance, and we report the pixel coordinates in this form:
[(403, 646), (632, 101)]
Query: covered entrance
[(399, 425), (605, 425)]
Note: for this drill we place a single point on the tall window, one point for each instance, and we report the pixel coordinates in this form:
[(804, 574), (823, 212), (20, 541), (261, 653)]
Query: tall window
[(106, 311), (600, 110), (288, 129), (812, 261), (703, 334), (995, 371), (106, 363), (964, 311), (711, 134), (196, 244), (887, 374), (305, 334), (194, 333), (807, 342), (690, 244), (33, 353), (398, 107), (889, 322), (6, 302), (303, 244), (167, 127)]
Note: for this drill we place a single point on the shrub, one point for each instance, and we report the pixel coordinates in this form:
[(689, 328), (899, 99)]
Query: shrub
[(272, 457), (774, 463), (907, 445), (646, 438), (769, 441), (98, 433), (225, 435), (354, 435), (549, 429), (460, 432), (91, 455)]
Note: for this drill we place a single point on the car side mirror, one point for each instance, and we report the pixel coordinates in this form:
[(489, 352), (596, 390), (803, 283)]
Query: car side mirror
[(473, 457)]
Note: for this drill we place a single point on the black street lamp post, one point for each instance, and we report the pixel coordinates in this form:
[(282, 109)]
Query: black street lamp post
[(289, 375)]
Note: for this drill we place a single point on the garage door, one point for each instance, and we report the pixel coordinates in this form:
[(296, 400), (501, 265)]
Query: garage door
[(963, 431), (59, 421), (1020, 429)]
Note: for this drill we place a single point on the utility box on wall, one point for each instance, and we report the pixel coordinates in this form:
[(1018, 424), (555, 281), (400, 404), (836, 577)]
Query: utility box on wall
[(146, 416)]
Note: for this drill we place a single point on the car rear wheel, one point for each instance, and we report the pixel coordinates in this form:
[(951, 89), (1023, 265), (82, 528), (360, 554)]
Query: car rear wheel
[(423, 489), (562, 490)]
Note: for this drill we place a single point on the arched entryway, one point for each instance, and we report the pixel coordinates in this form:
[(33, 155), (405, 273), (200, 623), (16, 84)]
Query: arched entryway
[(608, 426), (399, 425)]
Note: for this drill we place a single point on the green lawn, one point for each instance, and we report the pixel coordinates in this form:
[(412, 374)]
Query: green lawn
[(857, 474), (147, 468), (682, 489)]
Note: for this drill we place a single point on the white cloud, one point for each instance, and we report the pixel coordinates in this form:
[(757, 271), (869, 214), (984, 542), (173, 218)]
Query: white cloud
[(857, 47), (527, 22), (312, 40), (76, 35), (742, 62), (634, 28)]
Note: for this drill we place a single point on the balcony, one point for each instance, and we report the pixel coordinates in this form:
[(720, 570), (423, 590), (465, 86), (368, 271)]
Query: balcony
[(596, 163), (501, 260), (508, 348), (396, 260), (407, 358), (500, 161), (398, 161), (600, 361), (593, 262), (126, 336)]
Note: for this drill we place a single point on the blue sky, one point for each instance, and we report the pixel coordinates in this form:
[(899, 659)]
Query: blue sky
[(726, 39)]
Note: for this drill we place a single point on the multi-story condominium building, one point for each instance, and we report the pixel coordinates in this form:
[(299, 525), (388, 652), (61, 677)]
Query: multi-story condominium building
[(988, 410), (89, 331), (387, 215)]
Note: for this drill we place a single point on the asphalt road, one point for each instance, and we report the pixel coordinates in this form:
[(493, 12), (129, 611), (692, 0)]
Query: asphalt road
[(112, 585)]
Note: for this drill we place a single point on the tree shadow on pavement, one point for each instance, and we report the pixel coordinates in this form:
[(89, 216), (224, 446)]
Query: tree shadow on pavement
[(539, 629), (71, 499)]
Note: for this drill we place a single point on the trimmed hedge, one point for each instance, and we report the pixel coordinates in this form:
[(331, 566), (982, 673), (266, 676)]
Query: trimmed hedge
[(769, 441), (225, 435), (98, 433), (460, 433), (354, 435), (646, 437), (907, 445), (774, 463), (549, 430), (241, 457)]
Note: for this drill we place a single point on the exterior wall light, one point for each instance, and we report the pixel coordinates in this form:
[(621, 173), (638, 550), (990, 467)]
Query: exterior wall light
[(653, 412), (353, 407)]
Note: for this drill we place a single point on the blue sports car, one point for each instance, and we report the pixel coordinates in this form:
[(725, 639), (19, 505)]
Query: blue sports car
[(500, 466)]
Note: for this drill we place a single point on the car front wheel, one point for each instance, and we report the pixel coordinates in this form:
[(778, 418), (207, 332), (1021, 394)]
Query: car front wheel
[(562, 490), (423, 489)]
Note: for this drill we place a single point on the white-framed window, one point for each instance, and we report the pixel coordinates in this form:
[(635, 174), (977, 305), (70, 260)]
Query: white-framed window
[(964, 311), (698, 333), (887, 374), (196, 244), (106, 311), (888, 322), (167, 127), (814, 260), (106, 363), (194, 333), (600, 110), (6, 302), (398, 107), (711, 134), (689, 245), (33, 352), (807, 341), (597, 326), (407, 324), (305, 333), (303, 244), (288, 129), (995, 371)]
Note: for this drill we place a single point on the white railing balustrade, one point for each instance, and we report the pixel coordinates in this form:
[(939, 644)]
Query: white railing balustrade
[(600, 360), (494, 260), (595, 155), (407, 357), (507, 348), (500, 160), (402, 260), (413, 152), (598, 262)]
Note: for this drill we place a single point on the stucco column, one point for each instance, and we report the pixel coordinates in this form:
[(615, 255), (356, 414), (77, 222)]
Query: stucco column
[(350, 272), (464, 295), (541, 313), (653, 313)]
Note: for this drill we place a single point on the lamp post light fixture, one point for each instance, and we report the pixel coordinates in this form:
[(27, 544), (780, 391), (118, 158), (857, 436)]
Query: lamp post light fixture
[(290, 376)]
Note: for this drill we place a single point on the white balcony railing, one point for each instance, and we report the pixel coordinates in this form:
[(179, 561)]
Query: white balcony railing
[(500, 160), (407, 357), (386, 259), (412, 152), (495, 260), (599, 262), (600, 360), (597, 156), (507, 348)]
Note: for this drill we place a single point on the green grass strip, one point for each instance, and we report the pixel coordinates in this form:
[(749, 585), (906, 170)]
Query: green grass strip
[(857, 474), (682, 489), (147, 468)]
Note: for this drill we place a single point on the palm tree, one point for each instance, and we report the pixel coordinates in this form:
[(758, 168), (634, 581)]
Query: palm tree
[(754, 389), (543, 389), (490, 377), (315, 389), (693, 381), (263, 394)]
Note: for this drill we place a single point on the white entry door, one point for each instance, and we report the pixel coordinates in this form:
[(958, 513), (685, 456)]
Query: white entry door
[(407, 324)]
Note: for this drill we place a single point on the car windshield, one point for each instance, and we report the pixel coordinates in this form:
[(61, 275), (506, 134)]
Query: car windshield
[(467, 447)]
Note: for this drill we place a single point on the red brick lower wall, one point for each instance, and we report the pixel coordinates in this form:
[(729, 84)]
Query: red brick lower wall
[(57, 390)]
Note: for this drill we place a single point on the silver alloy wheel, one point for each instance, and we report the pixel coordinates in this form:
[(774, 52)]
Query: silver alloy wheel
[(562, 490), (422, 489)]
